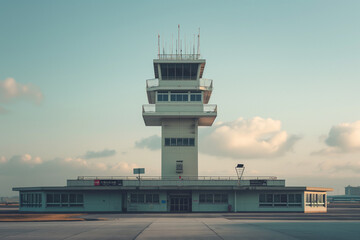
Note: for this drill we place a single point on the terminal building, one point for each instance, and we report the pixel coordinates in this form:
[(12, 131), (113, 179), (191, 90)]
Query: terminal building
[(178, 103)]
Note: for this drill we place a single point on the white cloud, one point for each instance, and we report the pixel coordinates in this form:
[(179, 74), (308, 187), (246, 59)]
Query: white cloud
[(152, 143), (20, 164), (99, 154), (342, 138), (11, 90), (247, 138), (340, 166)]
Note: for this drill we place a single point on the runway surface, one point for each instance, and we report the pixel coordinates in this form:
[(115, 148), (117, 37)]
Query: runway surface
[(193, 226)]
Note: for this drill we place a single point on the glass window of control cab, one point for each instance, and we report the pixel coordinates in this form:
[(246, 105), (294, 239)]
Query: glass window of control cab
[(179, 71)]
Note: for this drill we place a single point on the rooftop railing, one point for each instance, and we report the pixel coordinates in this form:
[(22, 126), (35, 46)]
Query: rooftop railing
[(178, 56), (199, 178), (207, 108), (203, 82)]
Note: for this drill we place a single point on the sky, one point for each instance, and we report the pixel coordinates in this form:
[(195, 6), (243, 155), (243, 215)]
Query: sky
[(286, 83)]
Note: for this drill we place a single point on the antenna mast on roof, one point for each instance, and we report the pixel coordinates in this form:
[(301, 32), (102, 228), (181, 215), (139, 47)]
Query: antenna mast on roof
[(198, 47), (178, 38), (159, 45)]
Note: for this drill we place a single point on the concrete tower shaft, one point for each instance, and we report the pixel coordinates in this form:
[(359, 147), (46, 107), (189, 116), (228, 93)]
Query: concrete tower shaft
[(178, 102)]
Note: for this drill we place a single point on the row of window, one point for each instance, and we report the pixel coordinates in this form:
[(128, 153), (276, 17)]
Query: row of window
[(144, 198), (178, 97), (315, 199), (179, 71), (30, 200), (280, 200), (183, 142), (213, 198), (64, 200)]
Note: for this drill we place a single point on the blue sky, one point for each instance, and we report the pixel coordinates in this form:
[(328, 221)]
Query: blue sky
[(289, 66)]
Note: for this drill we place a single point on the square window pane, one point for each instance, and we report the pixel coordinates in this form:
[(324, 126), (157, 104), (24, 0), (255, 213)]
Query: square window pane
[(198, 98), (202, 198), (49, 198), (291, 198), (165, 97), (141, 198), (64, 198), (193, 97), (72, 198), (56, 198), (156, 198), (209, 198), (148, 198), (191, 142), (173, 97), (277, 198), (185, 97), (133, 198), (217, 198)]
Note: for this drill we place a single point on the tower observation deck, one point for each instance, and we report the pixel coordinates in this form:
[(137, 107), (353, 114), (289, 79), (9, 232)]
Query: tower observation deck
[(178, 102)]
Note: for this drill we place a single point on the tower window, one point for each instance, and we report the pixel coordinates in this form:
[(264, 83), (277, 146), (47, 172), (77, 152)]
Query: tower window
[(179, 142), (179, 71), (163, 97)]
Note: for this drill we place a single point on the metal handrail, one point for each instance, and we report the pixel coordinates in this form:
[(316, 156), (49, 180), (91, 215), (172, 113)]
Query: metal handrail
[(178, 56), (207, 108), (203, 82), (190, 178)]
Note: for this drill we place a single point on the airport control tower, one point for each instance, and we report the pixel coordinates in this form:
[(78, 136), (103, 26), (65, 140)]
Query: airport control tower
[(178, 102)]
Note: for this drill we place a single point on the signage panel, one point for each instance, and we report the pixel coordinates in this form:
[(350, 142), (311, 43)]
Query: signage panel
[(99, 182), (139, 170)]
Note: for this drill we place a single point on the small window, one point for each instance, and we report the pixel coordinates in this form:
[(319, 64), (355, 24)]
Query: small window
[(141, 198), (149, 198), (179, 141), (49, 198), (209, 198), (185, 142), (298, 198), (56, 198), (269, 198), (217, 198), (283, 198), (277, 198), (262, 198), (173, 141), (202, 198), (133, 198), (191, 142), (167, 141), (72, 198), (64, 198), (156, 198)]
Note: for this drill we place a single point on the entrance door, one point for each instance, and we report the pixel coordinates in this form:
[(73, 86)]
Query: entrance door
[(180, 203)]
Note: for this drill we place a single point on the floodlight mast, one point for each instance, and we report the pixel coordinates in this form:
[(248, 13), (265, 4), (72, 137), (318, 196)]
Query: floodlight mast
[(240, 168)]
